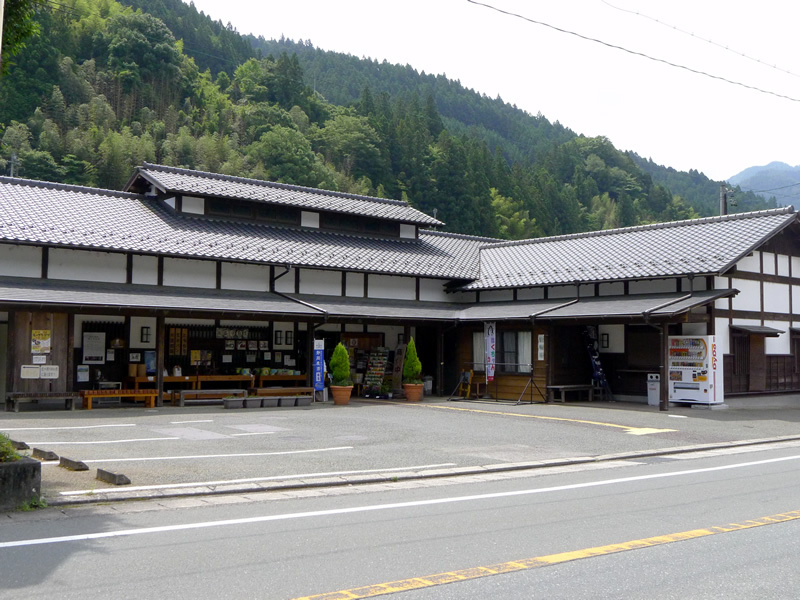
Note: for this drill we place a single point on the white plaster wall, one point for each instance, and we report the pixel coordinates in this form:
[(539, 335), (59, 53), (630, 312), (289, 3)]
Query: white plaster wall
[(776, 297), (136, 332), (694, 329), (795, 260), (145, 270), (433, 290), (193, 205), (467, 297), (408, 231), (616, 288), (769, 263), (780, 344), (616, 338), (20, 261), (170, 202), (721, 283), (750, 263), (390, 333), (587, 290), (561, 291), (783, 265), (190, 273), (317, 281), (497, 296), (749, 296), (286, 283), (237, 276), (81, 265), (309, 219), (283, 327), (392, 287), (652, 286), (81, 319), (530, 294), (302, 326), (699, 284), (354, 327), (796, 298), (354, 285), (723, 335)]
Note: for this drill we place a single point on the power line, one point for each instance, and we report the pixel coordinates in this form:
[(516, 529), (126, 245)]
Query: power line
[(689, 33), (636, 53), (774, 189)]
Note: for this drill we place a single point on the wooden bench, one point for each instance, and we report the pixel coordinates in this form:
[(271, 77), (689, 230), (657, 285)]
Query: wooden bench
[(14, 399), (180, 395), (564, 389), (149, 396)]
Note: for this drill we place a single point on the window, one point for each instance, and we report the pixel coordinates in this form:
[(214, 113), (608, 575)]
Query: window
[(514, 353), (478, 351)]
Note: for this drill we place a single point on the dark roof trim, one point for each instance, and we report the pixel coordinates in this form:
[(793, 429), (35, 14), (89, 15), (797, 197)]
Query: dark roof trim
[(758, 330)]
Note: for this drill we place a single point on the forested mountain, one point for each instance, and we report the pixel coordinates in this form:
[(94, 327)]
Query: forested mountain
[(110, 87), (777, 179)]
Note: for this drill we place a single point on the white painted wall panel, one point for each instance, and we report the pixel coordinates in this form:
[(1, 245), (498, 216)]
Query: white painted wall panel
[(617, 288), (82, 265), (780, 344), (145, 270), (776, 297), (467, 297), (393, 287), (390, 333), (698, 284), (750, 263), (136, 333), (20, 261), (408, 231), (354, 285), (749, 297), (530, 294), (433, 290), (796, 298), (783, 265), (193, 205), (309, 219), (616, 338), (317, 281), (653, 286), (190, 273), (561, 291), (723, 334), (769, 263), (497, 296), (283, 327), (694, 329), (795, 260), (236, 276), (286, 283), (354, 327)]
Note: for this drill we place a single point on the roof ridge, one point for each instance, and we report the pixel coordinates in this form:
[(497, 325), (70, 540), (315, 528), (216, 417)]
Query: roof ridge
[(67, 187), (664, 225), (461, 236), (273, 184)]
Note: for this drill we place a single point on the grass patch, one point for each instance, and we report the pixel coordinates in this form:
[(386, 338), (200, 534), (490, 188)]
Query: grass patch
[(7, 452)]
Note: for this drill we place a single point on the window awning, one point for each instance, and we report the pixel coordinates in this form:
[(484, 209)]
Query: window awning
[(758, 330)]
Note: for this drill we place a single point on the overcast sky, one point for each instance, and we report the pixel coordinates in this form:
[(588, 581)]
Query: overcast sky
[(676, 117)]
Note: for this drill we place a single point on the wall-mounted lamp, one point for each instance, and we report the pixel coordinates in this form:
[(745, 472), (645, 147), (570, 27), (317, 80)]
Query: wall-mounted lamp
[(144, 335)]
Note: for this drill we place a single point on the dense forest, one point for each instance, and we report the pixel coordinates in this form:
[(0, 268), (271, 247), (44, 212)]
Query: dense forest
[(112, 85)]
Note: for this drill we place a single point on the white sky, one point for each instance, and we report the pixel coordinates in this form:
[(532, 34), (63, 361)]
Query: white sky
[(677, 118)]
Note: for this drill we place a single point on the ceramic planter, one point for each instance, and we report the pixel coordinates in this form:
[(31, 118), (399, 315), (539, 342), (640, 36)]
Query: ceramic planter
[(413, 391), (341, 394)]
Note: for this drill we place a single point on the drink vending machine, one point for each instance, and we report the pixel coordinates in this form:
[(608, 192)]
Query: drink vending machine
[(695, 370)]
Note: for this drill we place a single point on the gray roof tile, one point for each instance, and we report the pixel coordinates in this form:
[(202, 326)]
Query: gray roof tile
[(172, 180)]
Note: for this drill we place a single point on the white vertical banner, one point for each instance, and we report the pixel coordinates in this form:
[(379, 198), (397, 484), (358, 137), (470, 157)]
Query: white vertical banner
[(489, 333)]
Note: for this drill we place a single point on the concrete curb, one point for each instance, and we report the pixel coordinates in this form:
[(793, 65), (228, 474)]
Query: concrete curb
[(120, 495)]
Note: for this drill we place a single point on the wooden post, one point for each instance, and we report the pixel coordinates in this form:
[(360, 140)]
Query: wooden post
[(160, 340), (663, 401)]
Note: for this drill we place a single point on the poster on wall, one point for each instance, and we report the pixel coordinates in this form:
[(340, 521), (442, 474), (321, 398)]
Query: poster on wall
[(40, 341), (489, 333), (49, 372), (94, 347)]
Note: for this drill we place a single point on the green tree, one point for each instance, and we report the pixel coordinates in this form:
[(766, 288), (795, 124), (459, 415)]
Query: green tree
[(19, 25)]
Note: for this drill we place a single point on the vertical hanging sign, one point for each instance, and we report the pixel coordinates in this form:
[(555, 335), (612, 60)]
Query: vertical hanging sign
[(319, 365), (491, 343)]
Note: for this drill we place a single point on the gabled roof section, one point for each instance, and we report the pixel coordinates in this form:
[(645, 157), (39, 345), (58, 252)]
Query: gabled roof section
[(94, 219), (171, 180), (698, 246)]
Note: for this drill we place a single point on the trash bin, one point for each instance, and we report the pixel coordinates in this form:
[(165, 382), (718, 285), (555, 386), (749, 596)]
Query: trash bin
[(427, 385), (653, 389)]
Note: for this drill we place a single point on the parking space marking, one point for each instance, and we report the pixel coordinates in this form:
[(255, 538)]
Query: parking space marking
[(251, 480), (198, 421), (65, 428), (49, 443), (253, 433), (626, 428), (145, 458)]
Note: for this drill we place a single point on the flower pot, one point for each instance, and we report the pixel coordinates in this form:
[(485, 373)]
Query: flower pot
[(269, 401), (253, 402), (233, 402), (413, 391), (341, 394)]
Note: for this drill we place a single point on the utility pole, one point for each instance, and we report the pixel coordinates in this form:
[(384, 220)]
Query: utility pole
[(725, 193)]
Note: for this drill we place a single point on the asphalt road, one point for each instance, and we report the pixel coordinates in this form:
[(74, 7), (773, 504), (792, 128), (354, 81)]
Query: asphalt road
[(609, 530), (165, 448)]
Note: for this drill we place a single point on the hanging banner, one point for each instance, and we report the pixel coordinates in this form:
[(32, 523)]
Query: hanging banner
[(491, 345), (319, 365)]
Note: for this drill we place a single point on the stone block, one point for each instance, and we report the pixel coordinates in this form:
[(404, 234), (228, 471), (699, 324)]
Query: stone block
[(20, 482), (44, 454), (112, 478), (73, 465)]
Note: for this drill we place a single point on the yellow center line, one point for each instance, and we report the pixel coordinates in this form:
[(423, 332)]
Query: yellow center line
[(626, 428), (428, 581)]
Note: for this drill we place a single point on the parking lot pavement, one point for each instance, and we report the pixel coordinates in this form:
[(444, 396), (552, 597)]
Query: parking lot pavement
[(203, 449)]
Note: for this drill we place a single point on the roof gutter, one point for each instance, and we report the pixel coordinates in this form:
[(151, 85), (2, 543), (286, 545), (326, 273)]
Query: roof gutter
[(290, 298)]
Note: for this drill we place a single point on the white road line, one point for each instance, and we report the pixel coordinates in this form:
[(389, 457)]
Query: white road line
[(200, 421), (253, 433), (48, 443), (164, 486), (62, 428), (376, 507), (143, 458)]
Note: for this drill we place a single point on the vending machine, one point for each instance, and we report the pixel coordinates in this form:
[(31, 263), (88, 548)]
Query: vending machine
[(695, 370)]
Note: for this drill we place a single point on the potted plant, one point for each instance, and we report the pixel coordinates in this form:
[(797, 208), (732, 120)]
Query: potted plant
[(412, 368), (386, 389), (20, 477), (341, 384)]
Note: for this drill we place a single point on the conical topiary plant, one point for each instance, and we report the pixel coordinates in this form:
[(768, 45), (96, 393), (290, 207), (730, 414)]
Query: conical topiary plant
[(340, 366), (412, 366)]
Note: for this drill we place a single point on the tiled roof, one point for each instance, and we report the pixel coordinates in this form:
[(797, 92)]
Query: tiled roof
[(699, 246), (172, 180), (90, 218)]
